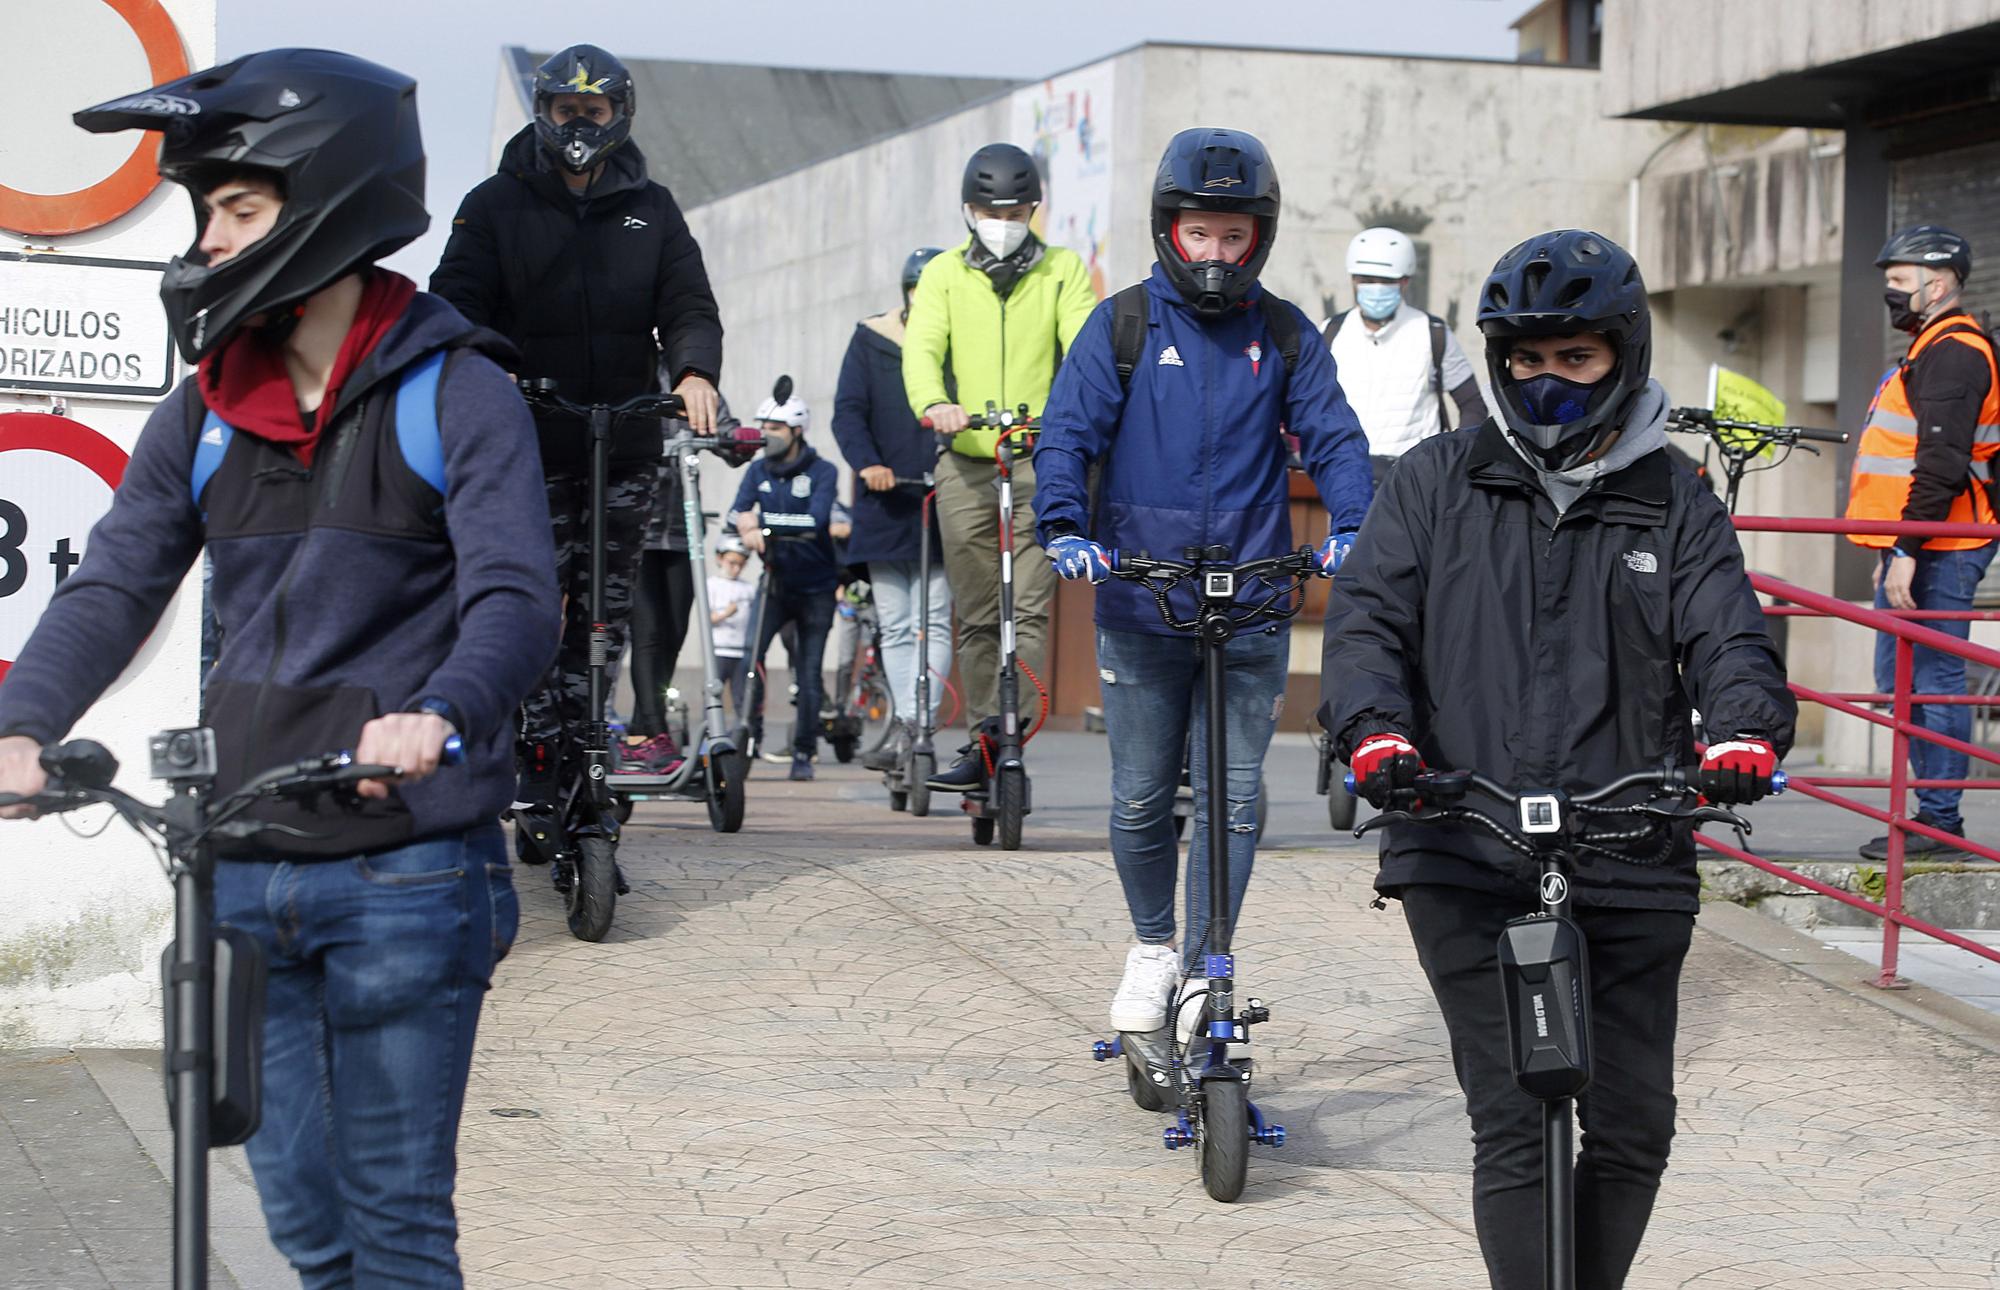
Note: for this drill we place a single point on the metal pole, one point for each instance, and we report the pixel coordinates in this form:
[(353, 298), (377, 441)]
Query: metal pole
[(1215, 633), (191, 1060), (600, 631), (697, 533), (921, 718), (1010, 698), (1899, 774), (1558, 1196)]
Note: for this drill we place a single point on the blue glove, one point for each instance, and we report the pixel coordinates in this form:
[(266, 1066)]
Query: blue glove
[(1333, 552), (1076, 556)]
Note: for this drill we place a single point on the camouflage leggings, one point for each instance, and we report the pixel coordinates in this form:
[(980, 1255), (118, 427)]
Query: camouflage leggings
[(563, 702)]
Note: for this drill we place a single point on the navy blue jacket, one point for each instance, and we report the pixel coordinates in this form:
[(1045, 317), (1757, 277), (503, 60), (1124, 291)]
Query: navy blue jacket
[(873, 424), (1191, 455), (798, 500), (343, 592)]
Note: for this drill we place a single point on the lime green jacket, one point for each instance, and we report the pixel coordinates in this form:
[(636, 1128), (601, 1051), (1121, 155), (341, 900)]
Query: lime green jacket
[(1005, 351)]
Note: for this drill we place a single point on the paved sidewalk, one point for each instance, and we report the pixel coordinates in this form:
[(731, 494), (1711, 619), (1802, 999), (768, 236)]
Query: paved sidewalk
[(845, 1048), (848, 1049)]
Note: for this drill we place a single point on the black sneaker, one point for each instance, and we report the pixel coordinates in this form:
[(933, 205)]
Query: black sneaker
[(1915, 845), (969, 771), (802, 766)]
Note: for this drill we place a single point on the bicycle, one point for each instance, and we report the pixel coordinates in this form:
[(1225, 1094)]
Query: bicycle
[(580, 835), (214, 977), (1216, 1116), (1739, 443), (858, 712), (715, 769), (1005, 795), (1544, 959)]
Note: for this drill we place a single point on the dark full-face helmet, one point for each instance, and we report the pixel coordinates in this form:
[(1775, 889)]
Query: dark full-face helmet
[(579, 145), (1565, 283), (1214, 170), (337, 137)]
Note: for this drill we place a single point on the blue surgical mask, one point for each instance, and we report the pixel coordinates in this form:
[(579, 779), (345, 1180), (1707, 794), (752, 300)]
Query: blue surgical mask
[(1377, 301), (1551, 400)]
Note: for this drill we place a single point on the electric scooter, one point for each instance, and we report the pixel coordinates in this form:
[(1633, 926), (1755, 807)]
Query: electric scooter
[(908, 781), (1005, 796), (580, 834), (214, 976), (1544, 959), (1210, 1087), (715, 768)]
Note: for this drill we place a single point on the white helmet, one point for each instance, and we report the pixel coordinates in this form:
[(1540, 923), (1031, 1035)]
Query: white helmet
[(785, 406), (1381, 253)]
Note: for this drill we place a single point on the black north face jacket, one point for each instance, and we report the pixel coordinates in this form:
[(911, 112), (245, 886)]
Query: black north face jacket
[(1544, 651), (604, 294)]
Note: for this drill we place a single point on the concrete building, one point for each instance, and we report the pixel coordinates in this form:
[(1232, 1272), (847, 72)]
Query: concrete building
[(1807, 130)]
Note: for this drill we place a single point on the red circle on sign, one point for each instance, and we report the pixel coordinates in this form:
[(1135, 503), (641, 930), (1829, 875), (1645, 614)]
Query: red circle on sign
[(127, 186), (64, 437)]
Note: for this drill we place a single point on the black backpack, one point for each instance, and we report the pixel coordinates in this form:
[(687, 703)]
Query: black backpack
[(1334, 324), (1130, 316)]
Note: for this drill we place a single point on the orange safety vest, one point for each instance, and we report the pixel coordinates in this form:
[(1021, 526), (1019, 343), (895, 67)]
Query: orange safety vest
[(1879, 488)]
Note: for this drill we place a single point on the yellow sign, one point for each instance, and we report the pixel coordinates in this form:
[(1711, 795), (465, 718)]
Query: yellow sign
[(1735, 397)]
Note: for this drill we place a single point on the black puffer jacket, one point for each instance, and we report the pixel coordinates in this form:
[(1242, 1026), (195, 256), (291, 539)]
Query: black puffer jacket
[(1545, 652), (595, 292)]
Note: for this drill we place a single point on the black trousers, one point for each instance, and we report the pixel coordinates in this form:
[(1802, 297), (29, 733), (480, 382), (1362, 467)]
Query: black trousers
[(662, 600), (1627, 1113)]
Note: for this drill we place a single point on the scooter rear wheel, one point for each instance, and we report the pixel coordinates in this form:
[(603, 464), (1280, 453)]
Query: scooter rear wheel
[(1224, 1137), (922, 767), (593, 895), (1010, 800), (725, 792)]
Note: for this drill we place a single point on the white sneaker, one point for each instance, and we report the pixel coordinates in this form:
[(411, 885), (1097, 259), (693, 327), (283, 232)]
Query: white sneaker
[(1194, 1000), (1151, 971)]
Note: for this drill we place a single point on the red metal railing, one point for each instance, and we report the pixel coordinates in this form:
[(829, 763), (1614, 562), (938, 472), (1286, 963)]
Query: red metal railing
[(1907, 627)]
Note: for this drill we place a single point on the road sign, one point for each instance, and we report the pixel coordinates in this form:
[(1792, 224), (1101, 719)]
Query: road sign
[(98, 203), (56, 480), (79, 325)]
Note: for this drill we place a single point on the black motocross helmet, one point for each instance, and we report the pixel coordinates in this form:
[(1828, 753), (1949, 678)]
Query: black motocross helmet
[(913, 268), (338, 136), (579, 145), (1000, 175), (1214, 170), (1565, 283), (1928, 246)]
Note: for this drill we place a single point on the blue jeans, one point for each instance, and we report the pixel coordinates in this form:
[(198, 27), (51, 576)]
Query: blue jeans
[(811, 616), (896, 594), (378, 965), (1154, 696), (1944, 580)]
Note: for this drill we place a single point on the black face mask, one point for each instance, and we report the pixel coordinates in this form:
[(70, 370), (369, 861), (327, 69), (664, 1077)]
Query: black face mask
[(1552, 400), (1901, 316)]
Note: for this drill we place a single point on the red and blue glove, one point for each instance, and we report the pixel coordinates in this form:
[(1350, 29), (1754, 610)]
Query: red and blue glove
[(1076, 556), (1736, 770), (1383, 764), (1334, 550)]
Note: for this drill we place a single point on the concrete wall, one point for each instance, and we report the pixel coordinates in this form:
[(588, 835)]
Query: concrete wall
[(1729, 203), (1663, 51)]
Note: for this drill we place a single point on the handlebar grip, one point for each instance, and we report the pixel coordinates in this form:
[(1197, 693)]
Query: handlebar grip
[(1822, 436)]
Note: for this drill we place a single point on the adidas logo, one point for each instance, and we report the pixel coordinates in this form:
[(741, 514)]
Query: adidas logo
[(1171, 357), (212, 435), (633, 221), (1642, 562)]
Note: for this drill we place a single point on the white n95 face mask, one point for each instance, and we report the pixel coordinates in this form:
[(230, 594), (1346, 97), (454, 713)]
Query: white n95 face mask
[(1002, 237)]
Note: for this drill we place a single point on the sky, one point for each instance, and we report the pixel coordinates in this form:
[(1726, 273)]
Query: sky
[(452, 47)]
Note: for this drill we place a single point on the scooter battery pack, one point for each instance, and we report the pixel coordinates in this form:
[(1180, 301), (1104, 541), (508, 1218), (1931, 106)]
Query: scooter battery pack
[(236, 1048), (1546, 971)]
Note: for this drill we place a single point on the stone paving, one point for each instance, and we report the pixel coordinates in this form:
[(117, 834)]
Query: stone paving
[(848, 1049)]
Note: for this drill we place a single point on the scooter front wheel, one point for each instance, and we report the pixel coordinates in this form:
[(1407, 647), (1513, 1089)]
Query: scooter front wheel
[(1010, 801), (1224, 1137), (725, 792), (593, 895), (922, 767)]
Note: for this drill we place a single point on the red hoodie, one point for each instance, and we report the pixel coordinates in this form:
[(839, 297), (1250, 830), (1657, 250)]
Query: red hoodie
[(245, 382)]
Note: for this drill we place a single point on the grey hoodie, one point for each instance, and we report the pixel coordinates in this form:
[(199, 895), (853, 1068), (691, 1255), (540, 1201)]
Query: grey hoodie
[(1645, 431)]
